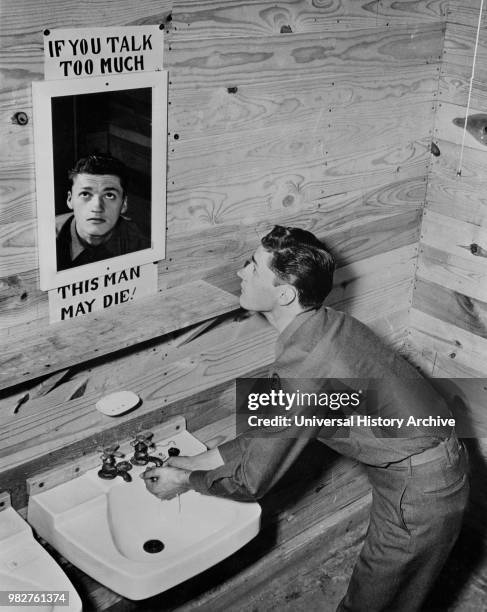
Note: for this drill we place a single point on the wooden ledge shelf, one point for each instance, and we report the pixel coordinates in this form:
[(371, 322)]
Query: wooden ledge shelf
[(198, 383), (66, 344)]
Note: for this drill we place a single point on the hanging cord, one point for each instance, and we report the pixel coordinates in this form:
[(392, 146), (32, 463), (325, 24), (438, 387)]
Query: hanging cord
[(459, 171)]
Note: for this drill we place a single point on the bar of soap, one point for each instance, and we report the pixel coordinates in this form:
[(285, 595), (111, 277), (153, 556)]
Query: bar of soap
[(117, 403)]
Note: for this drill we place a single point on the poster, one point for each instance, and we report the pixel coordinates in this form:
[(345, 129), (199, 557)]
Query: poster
[(100, 293), (100, 129), (81, 53)]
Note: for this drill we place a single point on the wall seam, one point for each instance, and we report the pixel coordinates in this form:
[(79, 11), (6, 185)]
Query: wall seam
[(407, 344)]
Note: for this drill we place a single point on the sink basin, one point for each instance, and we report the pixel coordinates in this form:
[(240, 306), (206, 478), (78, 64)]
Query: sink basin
[(26, 566), (137, 545)]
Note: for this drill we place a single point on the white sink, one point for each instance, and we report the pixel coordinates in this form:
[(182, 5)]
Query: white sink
[(26, 566), (106, 528)]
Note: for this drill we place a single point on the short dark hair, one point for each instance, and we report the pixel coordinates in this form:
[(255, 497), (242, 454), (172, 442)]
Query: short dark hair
[(300, 259), (100, 163)]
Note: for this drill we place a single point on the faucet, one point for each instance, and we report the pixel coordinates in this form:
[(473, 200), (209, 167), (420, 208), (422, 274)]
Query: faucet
[(110, 469), (141, 444)]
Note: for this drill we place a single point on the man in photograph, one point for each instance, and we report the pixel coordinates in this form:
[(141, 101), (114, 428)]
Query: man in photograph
[(98, 229), (418, 474)]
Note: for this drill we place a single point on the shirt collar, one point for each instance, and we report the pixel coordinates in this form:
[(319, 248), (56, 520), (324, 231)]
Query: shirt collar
[(77, 247), (287, 333)]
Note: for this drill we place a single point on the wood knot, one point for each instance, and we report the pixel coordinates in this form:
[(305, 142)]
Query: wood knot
[(477, 250), (435, 149)]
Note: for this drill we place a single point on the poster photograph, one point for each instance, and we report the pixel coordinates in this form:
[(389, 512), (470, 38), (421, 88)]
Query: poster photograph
[(100, 148)]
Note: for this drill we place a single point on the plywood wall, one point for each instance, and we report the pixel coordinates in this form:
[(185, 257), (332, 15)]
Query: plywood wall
[(304, 113), (448, 324), (448, 321)]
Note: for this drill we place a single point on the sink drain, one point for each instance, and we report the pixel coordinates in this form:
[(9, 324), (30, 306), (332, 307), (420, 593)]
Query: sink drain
[(153, 546)]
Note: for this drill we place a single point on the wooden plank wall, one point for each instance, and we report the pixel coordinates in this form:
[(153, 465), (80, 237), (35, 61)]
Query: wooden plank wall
[(290, 112), (327, 132), (447, 333), (448, 321), (329, 127)]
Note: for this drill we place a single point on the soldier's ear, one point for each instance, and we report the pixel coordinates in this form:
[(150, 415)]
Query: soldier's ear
[(287, 294), (68, 201), (123, 210)]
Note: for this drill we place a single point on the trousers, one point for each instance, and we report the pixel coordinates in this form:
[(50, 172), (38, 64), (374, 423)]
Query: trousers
[(415, 518)]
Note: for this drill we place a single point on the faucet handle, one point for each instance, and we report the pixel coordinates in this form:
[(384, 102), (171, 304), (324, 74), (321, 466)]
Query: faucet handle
[(144, 437), (110, 451)]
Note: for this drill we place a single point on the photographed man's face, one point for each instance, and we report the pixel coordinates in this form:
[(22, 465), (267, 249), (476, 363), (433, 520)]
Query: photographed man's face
[(97, 201), (258, 291)]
